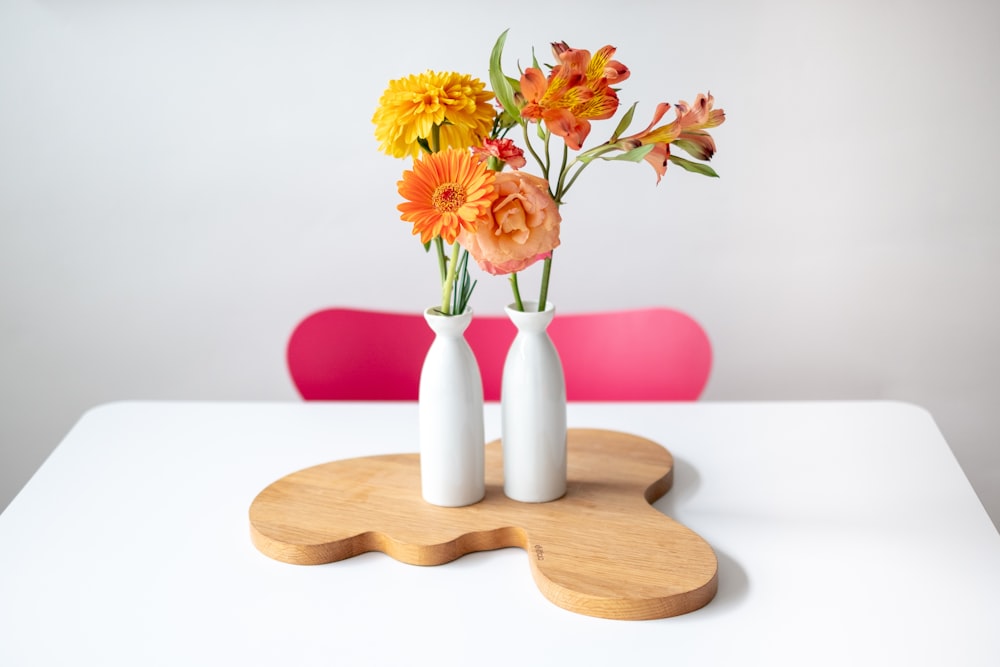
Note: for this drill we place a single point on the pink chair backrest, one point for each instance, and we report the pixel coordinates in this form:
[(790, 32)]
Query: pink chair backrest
[(650, 354)]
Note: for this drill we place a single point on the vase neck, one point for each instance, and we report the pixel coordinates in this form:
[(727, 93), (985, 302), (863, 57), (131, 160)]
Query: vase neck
[(530, 320), (447, 325)]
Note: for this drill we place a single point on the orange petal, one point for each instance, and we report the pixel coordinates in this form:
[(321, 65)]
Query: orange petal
[(533, 84), (658, 159), (661, 109), (562, 123)]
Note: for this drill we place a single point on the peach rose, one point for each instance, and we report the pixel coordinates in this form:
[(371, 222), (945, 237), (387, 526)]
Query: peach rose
[(521, 228)]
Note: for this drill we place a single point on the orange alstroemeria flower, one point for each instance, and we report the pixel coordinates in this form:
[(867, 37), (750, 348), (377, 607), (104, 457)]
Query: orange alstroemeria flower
[(689, 126), (576, 91)]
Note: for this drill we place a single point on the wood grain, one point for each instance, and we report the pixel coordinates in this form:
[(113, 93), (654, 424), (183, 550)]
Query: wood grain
[(601, 550)]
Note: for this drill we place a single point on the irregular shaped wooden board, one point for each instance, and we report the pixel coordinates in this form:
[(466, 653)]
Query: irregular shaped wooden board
[(600, 550)]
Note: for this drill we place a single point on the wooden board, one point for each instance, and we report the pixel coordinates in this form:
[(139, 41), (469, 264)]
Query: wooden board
[(600, 550)]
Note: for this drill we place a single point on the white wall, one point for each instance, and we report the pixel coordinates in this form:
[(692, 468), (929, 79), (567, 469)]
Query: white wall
[(180, 182)]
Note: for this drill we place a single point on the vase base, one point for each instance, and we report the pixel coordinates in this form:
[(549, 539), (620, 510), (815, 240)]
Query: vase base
[(445, 502), (534, 500)]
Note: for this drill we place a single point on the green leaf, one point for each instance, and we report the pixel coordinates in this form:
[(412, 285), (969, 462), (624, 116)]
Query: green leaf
[(505, 122), (464, 285), (634, 155), (696, 167), (423, 144), (693, 149), (623, 124), (501, 86)]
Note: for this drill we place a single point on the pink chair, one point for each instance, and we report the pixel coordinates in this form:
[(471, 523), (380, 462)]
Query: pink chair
[(650, 354)]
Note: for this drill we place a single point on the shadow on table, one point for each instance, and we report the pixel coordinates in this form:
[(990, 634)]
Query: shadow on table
[(734, 584)]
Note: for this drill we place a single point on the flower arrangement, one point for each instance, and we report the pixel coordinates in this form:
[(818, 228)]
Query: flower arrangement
[(458, 192)]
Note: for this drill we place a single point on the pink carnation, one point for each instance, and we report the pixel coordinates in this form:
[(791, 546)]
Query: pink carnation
[(502, 149)]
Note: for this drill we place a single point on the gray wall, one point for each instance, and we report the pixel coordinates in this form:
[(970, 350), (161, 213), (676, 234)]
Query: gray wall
[(180, 182)]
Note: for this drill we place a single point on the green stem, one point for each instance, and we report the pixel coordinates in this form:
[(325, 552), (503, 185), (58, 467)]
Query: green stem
[(442, 264), (544, 293), (572, 179), (548, 154), (517, 292), (531, 149), (443, 268), (449, 281), (435, 141), (580, 162), (560, 187)]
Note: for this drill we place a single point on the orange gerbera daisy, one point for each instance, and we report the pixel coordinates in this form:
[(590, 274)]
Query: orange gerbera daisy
[(445, 192)]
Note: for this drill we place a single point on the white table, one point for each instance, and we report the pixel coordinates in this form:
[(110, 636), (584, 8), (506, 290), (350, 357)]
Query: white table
[(846, 535)]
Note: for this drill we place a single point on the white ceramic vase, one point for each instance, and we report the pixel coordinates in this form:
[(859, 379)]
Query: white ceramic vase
[(452, 441), (533, 410)]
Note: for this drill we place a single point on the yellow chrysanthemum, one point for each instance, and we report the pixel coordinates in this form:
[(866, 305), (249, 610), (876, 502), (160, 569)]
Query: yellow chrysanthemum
[(445, 192), (412, 106)]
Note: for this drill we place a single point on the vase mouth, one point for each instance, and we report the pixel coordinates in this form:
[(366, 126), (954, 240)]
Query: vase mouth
[(441, 323), (530, 307), (435, 311)]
